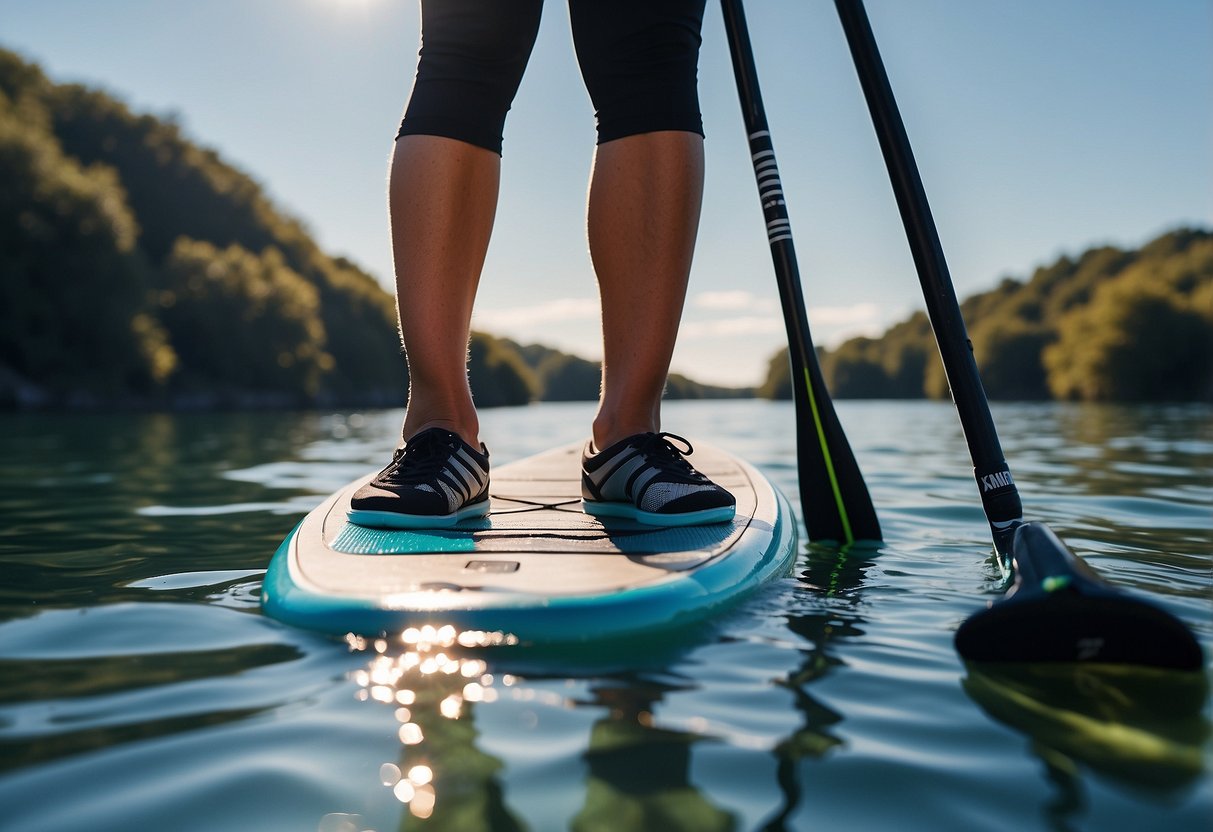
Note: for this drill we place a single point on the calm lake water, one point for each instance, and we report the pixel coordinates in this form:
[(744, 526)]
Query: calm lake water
[(142, 689)]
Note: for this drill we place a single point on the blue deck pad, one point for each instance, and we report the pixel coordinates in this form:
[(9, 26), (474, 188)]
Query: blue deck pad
[(358, 540), (626, 538)]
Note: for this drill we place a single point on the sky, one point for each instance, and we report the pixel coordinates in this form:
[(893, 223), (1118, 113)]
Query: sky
[(1041, 127)]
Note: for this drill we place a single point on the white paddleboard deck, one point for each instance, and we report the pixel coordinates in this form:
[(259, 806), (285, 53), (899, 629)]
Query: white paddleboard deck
[(537, 567)]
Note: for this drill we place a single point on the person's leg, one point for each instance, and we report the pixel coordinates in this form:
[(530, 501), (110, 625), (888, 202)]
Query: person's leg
[(645, 196), (639, 61), (643, 215), (442, 196), (442, 193)]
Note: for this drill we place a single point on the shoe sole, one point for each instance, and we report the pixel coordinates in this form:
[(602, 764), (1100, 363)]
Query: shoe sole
[(704, 517), (396, 520)]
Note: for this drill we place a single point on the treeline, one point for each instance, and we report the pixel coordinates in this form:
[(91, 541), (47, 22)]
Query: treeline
[(560, 377), (139, 267), (1110, 325)]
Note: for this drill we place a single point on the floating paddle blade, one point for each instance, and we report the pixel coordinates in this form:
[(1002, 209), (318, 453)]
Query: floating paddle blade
[(1059, 610)]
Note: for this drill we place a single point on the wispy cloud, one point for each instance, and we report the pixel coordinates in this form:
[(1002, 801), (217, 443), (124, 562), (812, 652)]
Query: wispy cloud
[(725, 328), (859, 314), (731, 327), (557, 310), (737, 300), (757, 316)]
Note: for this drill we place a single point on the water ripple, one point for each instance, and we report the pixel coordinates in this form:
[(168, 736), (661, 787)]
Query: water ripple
[(140, 688)]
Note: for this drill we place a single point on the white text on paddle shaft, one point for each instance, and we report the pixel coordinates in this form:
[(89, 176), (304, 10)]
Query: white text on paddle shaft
[(999, 479)]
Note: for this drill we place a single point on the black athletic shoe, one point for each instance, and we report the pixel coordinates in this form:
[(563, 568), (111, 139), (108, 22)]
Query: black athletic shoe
[(433, 482), (646, 478)]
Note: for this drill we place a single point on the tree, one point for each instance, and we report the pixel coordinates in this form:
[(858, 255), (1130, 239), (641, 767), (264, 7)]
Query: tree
[(855, 370), (242, 322), (1134, 342), (567, 378), (1008, 354), (778, 381), (497, 373), (73, 301)]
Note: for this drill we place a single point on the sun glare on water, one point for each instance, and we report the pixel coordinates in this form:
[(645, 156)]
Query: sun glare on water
[(428, 676)]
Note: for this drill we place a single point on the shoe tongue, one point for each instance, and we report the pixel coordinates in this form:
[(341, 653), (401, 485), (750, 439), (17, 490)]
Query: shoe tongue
[(433, 435), (431, 443), (636, 440), (653, 441)]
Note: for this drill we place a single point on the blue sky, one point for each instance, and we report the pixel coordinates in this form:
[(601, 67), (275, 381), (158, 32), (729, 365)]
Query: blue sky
[(1041, 127)]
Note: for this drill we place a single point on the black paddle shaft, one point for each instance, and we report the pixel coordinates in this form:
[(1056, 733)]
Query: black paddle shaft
[(834, 497), (999, 496), (1058, 609)]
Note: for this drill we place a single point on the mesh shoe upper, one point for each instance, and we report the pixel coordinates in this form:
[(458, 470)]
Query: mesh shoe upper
[(648, 471)]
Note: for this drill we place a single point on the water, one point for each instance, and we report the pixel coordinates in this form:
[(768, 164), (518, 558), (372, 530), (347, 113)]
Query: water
[(141, 688)]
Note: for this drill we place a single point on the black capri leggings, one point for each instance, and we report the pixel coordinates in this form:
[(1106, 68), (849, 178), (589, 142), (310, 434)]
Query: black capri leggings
[(639, 60)]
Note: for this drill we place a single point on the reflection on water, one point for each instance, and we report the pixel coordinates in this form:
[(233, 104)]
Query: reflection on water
[(832, 581), (433, 689), (1140, 726), (637, 774), (141, 688)]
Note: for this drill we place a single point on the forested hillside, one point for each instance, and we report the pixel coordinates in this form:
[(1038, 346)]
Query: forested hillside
[(137, 267), (137, 264), (1109, 325), (140, 268), (561, 377)]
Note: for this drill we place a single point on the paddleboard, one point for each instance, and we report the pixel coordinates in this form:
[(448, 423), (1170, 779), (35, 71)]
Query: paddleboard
[(537, 569)]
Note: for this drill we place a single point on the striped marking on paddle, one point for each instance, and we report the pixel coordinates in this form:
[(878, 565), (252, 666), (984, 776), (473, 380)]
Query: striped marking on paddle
[(770, 188)]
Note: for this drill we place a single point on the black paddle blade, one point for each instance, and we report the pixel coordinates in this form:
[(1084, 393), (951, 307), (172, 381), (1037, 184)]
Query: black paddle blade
[(1059, 610), (834, 498)]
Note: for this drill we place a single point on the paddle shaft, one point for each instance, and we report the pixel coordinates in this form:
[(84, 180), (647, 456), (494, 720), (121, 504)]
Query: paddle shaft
[(999, 496), (834, 498)]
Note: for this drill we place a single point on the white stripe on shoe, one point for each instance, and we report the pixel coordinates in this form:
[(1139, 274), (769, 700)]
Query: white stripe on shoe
[(644, 475)]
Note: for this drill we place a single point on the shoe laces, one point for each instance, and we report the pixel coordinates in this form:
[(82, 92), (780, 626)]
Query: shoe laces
[(661, 453), (419, 460)]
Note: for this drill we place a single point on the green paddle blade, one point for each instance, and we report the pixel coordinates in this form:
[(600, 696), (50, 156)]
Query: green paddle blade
[(1059, 610)]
